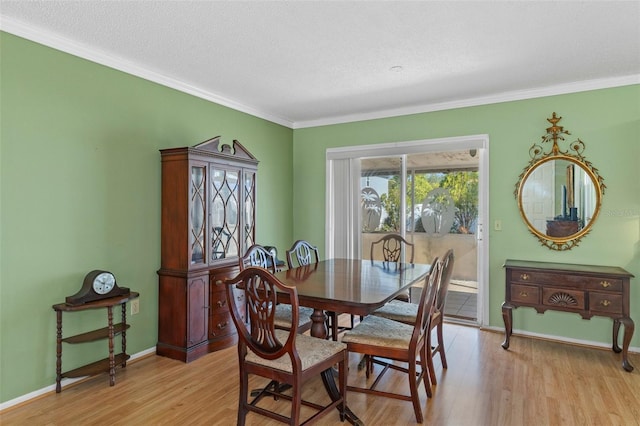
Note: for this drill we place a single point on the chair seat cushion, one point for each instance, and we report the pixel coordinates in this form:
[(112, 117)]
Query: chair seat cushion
[(311, 350), (379, 331), (398, 311), (283, 315)]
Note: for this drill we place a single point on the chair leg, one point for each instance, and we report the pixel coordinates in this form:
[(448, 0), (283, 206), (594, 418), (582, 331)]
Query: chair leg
[(342, 383), (427, 368), (244, 391), (334, 326), (443, 358), (296, 403), (413, 388), (429, 357)]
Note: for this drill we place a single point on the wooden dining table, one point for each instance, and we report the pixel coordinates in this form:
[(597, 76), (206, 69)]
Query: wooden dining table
[(350, 286)]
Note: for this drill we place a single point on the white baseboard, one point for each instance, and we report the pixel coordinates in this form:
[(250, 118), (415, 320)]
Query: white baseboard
[(63, 383), (560, 339)]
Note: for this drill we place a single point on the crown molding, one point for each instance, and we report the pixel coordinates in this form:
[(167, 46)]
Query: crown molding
[(54, 41), (518, 95), (66, 45)]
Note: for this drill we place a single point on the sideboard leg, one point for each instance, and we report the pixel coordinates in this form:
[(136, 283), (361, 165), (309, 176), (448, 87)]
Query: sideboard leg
[(508, 323), (616, 330), (628, 333)]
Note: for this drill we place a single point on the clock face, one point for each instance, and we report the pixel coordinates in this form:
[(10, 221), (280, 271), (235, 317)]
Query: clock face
[(104, 283)]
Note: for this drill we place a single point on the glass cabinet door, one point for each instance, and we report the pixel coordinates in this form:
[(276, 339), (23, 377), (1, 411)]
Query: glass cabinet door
[(249, 209), (197, 225), (224, 217)]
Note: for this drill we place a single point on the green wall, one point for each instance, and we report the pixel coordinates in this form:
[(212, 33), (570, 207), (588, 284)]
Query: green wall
[(608, 121), (80, 190)]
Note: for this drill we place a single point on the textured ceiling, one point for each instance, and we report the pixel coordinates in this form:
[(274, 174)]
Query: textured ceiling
[(302, 63)]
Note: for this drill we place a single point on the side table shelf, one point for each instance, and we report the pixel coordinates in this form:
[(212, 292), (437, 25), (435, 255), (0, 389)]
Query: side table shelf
[(108, 364)]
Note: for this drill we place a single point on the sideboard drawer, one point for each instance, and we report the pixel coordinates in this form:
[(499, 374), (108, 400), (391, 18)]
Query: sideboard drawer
[(604, 284), (563, 298), (525, 294), (605, 302)]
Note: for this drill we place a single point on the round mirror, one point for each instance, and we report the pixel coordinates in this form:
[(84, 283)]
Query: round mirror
[(559, 193), (558, 199)]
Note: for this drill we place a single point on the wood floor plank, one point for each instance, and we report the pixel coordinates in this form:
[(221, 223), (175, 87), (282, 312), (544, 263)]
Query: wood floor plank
[(535, 382)]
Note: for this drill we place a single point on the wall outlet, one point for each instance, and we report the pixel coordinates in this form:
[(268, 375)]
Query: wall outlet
[(135, 306)]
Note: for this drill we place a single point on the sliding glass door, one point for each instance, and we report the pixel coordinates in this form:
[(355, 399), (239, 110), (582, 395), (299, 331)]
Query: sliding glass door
[(431, 195)]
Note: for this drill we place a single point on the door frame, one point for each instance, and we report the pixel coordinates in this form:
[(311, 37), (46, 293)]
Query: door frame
[(337, 192)]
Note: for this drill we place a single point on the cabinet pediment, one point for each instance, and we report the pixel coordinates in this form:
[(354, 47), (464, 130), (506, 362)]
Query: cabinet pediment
[(215, 146)]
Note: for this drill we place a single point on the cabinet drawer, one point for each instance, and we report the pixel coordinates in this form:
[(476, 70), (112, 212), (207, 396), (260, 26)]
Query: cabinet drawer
[(605, 302), (604, 284), (220, 325), (219, 302), (525, 294), (563, 298)]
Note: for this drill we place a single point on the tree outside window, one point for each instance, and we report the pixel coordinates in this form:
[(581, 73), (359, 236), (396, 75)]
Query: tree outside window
[(462, 185)]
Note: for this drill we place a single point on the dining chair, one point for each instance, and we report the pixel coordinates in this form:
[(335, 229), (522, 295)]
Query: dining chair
[(303, 253), (395, 249), (283, 356), (407, 312), (378, 337), (258, 255)]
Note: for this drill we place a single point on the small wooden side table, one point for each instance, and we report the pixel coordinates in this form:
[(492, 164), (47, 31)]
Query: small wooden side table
[(104, 365)]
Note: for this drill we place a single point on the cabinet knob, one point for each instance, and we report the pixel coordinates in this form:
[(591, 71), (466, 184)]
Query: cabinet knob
[(605, 302), (524, 294), (222, 325), (524, 277), (218, 282), (605, 284), (221, 303)]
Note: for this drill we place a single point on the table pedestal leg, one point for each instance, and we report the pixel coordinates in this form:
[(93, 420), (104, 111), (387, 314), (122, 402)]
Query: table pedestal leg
[(330, 384), (319, 328)]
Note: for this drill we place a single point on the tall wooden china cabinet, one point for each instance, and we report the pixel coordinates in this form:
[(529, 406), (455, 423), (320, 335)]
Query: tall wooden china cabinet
[(208, 221)]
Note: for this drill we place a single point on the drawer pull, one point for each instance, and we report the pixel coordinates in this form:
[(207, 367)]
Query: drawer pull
[(221, 303), (524, 277), (223, 325), (524, 294), (605, 303), (218, 282), (605, 284)]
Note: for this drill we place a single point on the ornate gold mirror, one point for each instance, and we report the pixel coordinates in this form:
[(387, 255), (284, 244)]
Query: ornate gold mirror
[(559, 192)]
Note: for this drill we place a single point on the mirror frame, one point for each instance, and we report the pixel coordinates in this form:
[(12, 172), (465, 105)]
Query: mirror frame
[(573, 154)]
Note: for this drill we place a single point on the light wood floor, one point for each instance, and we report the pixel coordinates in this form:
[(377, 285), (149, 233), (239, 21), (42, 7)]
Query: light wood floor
[(536, 382)]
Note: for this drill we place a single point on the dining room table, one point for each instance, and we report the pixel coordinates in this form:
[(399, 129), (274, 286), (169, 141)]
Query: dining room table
[(350, 286)]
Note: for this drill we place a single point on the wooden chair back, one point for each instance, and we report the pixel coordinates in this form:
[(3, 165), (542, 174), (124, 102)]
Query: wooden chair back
[(393, 246), (447, 270), (303, 253), (257, 255), (426, 305), (260, 288)]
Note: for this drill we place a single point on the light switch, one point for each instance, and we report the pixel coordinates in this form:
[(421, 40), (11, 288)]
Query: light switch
[(497, 225)]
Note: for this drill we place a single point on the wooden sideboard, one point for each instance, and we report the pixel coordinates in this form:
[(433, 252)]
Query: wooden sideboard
[(583, 289)]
